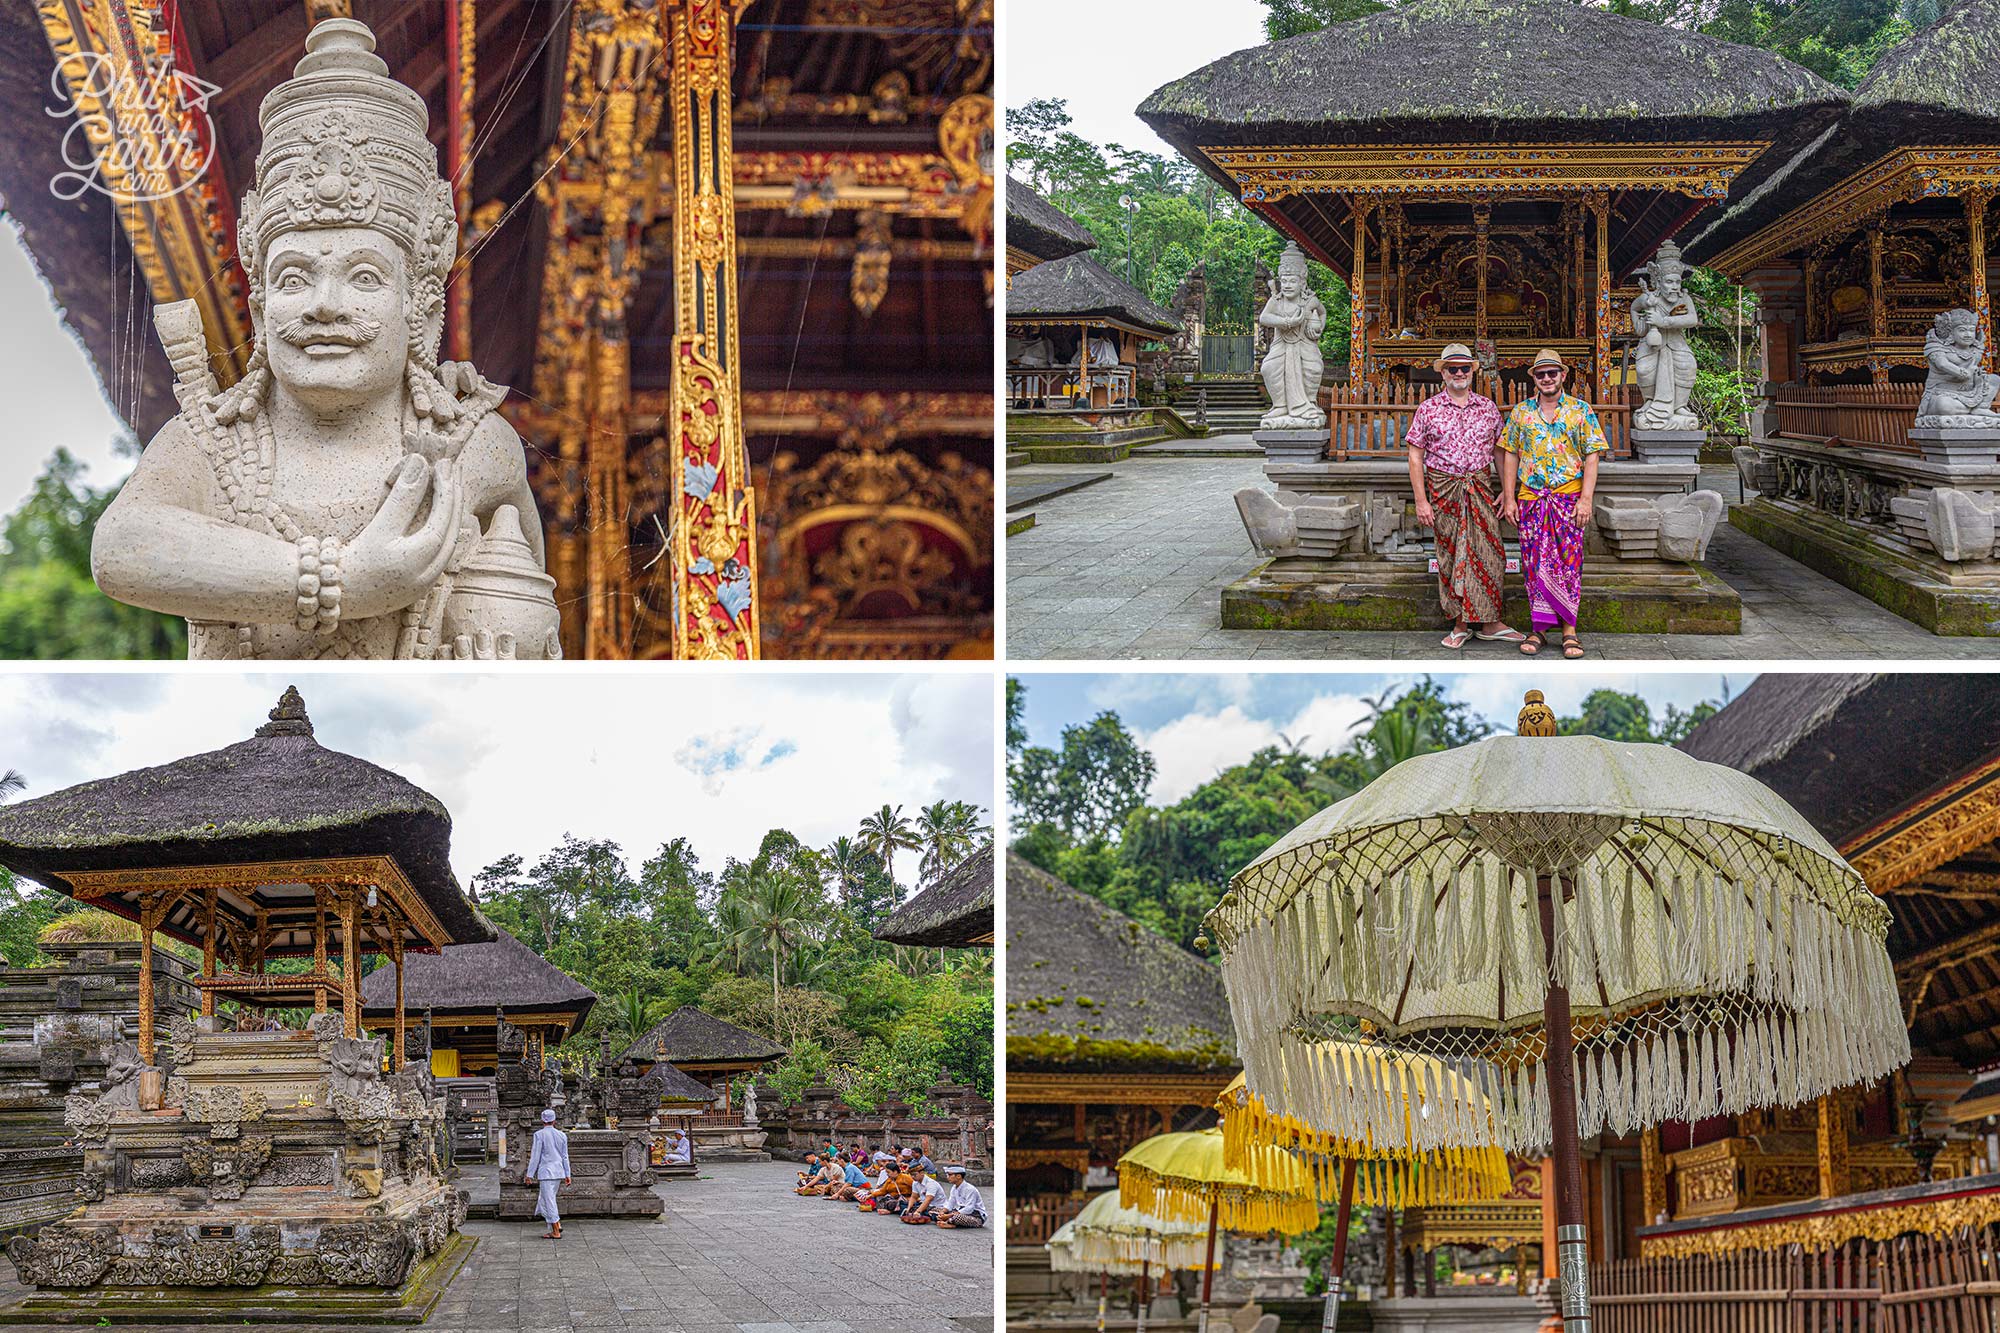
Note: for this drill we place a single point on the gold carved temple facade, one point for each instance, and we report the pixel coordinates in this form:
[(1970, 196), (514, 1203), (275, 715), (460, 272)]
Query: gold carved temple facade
[(735, 258)]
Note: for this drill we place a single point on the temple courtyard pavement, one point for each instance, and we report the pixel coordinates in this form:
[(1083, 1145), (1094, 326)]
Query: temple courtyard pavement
[(1133, 566), (735, 1252)]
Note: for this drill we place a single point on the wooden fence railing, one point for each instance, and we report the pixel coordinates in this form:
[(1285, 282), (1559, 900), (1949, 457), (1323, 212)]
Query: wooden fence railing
[(1868, 416), (1031, 1221), (1912, 1284), (1372, 421)]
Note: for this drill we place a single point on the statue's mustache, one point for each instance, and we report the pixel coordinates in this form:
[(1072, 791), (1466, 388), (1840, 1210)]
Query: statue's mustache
[(352, 330)]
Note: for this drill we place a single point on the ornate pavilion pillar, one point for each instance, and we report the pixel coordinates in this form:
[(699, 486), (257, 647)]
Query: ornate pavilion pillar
[(1878, 304), (350, 962), (1574, 220), (319, 947), (713, 547), (461, 31), (1482, 236), (1652, 1175), (208, 950), (396, 956), (1402, 222), (1975, 231), (1834, 1177), (1357, 292), (1600, 205)]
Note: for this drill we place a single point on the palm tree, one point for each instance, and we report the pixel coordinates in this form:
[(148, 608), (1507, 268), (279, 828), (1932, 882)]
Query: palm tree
[(633, 1015), (885, 833), (947, 830), (844, 864), (777, 919), (12, 783), (733, 942)]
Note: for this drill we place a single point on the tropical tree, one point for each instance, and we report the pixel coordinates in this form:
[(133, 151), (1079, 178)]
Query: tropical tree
[(12, 784), (633, 1015), (949, 831), (885, 833), (777, 919), (846, 866)]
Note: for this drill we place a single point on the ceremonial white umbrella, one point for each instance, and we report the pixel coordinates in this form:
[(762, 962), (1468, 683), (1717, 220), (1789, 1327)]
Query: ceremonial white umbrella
[(1106, 1238), (1596, 935)]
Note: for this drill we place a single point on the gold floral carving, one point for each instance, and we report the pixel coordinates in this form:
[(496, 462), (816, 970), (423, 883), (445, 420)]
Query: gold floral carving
[(379, 872), (1499, 1225), (1266, 175), (1934, 1218), (1943, 826)]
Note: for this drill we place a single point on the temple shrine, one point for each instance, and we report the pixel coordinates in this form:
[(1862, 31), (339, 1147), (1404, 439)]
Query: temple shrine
[(1843, 1204), (231, 1165), (802, 336), (1868, 254), (715, 1054)]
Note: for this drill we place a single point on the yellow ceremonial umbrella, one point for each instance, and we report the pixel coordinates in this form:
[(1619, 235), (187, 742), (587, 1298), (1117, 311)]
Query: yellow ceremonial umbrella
[(1397, 1177), (1107, 1237), (1184, 1177)]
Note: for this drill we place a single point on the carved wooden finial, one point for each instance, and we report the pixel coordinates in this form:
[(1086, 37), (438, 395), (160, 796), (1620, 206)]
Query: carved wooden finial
[(1537, 718)]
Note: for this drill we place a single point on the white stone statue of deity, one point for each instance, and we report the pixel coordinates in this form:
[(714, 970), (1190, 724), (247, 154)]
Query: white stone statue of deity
[(1662, 314), (348, 496), (1293, 368), (1959, 391)]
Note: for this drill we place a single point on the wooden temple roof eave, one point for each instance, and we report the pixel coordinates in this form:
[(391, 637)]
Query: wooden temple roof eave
[(1191, 1088)]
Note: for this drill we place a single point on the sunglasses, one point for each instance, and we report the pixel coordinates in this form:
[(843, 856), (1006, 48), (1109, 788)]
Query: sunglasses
[(1458, 370), (1550, 374)]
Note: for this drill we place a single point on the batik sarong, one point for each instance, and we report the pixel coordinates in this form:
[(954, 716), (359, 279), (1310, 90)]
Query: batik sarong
[(1470, 561), (1551, 558)]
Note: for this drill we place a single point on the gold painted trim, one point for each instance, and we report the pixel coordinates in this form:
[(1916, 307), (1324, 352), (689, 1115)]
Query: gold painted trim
[(1938, 828), (1896, 177), (1437, 171), (1934, 1218), (1118, 1089), (380, 872)]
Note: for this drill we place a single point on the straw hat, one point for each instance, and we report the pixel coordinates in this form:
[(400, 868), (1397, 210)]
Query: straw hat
[(1454, 352), (1548, 356)]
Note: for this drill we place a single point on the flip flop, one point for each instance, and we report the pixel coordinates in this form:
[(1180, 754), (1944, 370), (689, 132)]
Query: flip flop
[(1505, 635), (1455, 640)]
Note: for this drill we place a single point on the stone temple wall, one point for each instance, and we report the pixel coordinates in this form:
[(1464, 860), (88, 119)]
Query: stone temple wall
[(960, 1127), (60, 1026)]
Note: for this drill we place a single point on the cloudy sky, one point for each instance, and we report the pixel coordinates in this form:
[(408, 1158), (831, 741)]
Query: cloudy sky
[(1104, 56), (520, 759), (1197, 725)]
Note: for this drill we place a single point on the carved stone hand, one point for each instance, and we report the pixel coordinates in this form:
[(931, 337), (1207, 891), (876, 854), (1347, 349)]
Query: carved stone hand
[(388, 566)]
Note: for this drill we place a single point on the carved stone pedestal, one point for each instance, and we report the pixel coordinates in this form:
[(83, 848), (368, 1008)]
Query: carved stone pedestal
[(1668, 446), (1291, 446), (1972, 447), (1912, 534)]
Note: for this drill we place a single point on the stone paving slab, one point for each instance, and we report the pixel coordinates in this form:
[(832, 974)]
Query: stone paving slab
[(1134, 567), (736, 1252)]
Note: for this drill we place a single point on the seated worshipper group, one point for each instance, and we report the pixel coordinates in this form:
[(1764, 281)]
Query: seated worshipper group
[(903, 1186)]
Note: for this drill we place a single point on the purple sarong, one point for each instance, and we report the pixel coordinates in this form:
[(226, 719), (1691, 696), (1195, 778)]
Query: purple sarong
[(1551, 558)]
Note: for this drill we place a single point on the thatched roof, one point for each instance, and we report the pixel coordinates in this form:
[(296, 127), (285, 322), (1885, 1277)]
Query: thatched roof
[(1089, 986), (1040, 228), (1082, 290), (1517, 69), (279, 796), (677, 1085), (476, 979), (1938, 86), (954, 912), (1849, 750), (690, 1036)]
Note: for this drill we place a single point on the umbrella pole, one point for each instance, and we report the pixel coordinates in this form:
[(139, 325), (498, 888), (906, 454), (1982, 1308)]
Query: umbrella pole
[(1572, 1244), (1208, 1265), (1103, 1295), (1145, 1272), (1336, 1263)]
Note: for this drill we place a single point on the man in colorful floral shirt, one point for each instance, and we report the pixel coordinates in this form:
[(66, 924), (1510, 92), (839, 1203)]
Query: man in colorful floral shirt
[(1451, 442), (1549, 451)]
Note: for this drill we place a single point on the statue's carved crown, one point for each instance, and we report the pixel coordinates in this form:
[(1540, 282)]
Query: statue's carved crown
[(1666, 260), (1950, 323), (1293, 261), (346, 145)]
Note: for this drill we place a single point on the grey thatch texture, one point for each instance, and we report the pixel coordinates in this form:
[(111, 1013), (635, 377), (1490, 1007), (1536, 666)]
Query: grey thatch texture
[(1506, 66), (1088, 986), (952, 913), (1081, 289), (280, 795), (1040, 228), (690, 1036), (1939, 86), (476, 979), (1849, 750), (677, 1085)]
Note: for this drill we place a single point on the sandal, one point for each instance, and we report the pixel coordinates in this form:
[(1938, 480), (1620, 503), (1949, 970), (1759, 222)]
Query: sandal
[(1456, 639), (1501, 635), (1572, 646), (1532, 643)]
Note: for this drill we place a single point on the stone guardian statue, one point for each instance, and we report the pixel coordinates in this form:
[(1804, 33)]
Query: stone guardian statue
[(324, 505), (1959, 391), (1662, 314), (1293, 368)]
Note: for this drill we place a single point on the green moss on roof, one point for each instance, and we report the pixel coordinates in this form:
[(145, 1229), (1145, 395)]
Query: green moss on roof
[(1953, 65)]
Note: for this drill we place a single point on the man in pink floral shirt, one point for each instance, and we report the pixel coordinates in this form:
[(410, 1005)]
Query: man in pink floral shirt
[(1451, 443)]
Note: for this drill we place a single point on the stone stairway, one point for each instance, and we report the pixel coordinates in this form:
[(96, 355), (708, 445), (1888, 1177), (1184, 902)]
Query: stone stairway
[(1235, 406)]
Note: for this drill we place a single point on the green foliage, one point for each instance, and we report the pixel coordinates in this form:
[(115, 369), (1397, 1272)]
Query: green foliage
[(1167, 865), (1289, 18), (1088, 788), (49, 605), (1722, 399), (965, 1043), (799, 1070)]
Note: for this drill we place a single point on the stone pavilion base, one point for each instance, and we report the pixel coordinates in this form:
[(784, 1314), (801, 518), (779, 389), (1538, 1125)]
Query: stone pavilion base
[(610, 1176), (1619, 597), (1458, 1310), (410, 1303), (1941, 598)]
